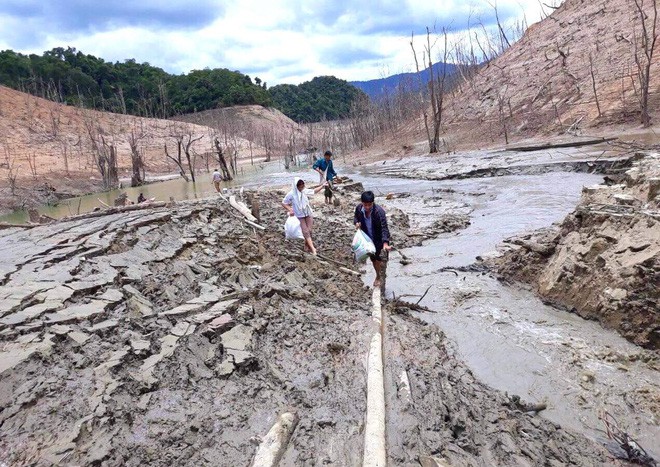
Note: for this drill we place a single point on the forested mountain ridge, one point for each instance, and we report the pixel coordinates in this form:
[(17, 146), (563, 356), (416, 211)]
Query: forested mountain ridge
[(69, 76), (322, 98)]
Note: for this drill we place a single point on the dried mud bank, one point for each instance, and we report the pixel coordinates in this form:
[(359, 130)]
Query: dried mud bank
[(179, 335), (603, 260), (477, 164)]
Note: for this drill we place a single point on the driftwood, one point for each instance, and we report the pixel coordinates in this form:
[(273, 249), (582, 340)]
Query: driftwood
[(254, 224), (242, 208), (398, 303), (515, 403), (4, 225), (116, 210), (349, 271), (573, 144), (104, 204)]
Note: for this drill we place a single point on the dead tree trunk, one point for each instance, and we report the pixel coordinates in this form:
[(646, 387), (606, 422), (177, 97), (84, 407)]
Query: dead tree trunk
[(437, 89), (644, 48), (137, 161), (593, 83), (191, 158), (107, 164), (226, 175), (177, 160), (422, 99)]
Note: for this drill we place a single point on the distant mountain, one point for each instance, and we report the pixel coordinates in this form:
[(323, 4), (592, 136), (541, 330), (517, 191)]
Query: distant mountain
[(376, 88)]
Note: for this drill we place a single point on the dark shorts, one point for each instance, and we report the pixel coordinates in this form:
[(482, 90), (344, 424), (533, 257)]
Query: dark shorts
[(328, 192), (378, 256)]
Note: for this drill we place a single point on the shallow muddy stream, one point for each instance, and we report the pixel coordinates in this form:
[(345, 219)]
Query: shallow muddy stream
[(506, 335)]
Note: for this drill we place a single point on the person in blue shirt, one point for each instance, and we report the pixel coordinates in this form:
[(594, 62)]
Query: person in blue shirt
[(324, 166)]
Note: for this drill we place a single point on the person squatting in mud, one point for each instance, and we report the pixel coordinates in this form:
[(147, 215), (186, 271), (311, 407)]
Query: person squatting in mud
[(373, 221), (297, 204)]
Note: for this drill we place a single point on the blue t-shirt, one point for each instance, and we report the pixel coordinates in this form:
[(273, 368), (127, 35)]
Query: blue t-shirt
[(323, 165), (368, 223)]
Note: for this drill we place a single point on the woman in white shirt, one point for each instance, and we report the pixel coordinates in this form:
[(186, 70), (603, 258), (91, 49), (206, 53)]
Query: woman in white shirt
[(297, 204)]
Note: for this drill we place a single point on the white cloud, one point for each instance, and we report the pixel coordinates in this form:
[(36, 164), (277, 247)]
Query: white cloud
[(281, 41)]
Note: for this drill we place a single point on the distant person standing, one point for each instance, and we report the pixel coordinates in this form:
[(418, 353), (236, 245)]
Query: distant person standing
[(217, 178), (373, 221), (324, 167)]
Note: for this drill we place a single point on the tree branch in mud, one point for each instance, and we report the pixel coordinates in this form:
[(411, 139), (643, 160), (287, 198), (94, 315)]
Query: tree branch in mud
[(644, 47), (634, 452)]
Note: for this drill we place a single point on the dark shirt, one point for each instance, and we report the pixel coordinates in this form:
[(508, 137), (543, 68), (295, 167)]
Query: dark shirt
[(323, 165), (380, 233)]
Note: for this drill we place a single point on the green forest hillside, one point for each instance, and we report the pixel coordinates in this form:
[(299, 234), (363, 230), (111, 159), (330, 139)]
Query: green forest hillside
[(323, 98), (69, 76)]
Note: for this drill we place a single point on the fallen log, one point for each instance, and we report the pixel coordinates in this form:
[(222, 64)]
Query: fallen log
[(5, 225), (242, 208), (349, 271), (116, 210), (275, 442), (570, 144)]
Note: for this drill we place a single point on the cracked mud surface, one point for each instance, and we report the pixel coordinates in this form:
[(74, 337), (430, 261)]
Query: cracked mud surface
[(178, 335)]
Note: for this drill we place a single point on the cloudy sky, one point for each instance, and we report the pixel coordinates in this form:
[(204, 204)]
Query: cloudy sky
[(280, 41)]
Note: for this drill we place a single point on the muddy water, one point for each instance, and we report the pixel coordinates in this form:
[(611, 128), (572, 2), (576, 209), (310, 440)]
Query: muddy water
[(271, 174), (509, 338)]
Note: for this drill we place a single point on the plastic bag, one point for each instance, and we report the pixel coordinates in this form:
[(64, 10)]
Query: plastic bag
[(292, 228), (362, 246)]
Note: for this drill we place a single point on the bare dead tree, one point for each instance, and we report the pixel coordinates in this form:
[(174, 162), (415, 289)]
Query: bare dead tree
[(12, 170), (32, 163), (502, 101), (226, 175), (644, 46), (178, 159), (437, 89), (268, 143), (191, 154), (137, 134), (593, 83), (104, 153), (422, 95), (504, 42)]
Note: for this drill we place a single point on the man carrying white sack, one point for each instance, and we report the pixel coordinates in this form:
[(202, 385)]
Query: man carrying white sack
[(373, 221)]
